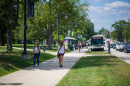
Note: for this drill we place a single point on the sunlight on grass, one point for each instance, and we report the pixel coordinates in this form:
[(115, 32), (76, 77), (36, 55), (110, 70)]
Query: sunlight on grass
[(98, 71), (97, 53), (12, 61)]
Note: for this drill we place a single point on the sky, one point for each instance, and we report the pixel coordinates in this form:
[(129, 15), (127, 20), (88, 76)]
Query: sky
[(104, 13)]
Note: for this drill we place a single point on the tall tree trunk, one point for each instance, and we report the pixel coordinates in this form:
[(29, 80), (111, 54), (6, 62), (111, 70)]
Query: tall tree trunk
[(9, 38), (0, 39), (9, 31)]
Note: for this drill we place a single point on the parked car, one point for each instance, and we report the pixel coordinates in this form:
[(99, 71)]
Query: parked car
[(114, 46), (111, 46), (127, 48), (117, 46), (122, 46)]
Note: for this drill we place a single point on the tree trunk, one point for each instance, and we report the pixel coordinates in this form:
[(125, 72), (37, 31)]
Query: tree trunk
[(9, 38), (0, 39), (9, 31)]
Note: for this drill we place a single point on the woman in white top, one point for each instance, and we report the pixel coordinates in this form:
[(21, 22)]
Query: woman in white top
[(61, 49), (36, 54)]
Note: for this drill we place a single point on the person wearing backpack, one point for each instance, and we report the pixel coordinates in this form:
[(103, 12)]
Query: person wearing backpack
[(61, 52), (36, 54)]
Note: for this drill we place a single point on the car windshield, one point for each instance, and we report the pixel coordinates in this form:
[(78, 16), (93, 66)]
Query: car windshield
[(128, 45), (114, 44), (111, 44), (124, 43), (118, 43)]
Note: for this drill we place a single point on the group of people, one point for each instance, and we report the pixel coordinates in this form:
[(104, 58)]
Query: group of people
[(60, 49), (81, 45)]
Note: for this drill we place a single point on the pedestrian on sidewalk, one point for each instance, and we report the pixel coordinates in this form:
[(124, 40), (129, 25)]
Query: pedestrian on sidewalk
[(79, 46), (36, 50), (44, 45), (86, 45), (61, 52)]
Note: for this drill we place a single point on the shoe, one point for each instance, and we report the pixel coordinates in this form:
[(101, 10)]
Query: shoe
[(37, 65), (33, 66), (60, 65)]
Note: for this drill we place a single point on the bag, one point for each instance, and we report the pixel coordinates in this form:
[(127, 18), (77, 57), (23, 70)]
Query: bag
[(58, 53)]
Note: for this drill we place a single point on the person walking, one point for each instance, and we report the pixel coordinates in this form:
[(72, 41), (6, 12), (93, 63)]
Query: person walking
[(61, 52), (36, 54), (44, 45), (79, 46), (86, 45)]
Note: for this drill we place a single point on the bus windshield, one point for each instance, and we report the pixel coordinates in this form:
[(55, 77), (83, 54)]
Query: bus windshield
[(98, 41)]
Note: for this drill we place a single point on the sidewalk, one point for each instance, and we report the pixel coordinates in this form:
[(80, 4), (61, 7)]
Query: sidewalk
[(48, 74)]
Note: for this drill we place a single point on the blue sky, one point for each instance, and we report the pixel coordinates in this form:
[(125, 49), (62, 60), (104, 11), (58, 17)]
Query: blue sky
[(104, 13)]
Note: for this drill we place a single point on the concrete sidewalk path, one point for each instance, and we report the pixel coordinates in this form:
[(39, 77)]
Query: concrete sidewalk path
[(48, 74)]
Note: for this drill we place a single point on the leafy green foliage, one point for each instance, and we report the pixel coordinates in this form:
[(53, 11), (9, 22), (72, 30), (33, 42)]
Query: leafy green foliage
[(126, 32), (119, 28)]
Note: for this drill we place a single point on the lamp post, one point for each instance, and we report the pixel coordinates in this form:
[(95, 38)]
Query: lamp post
[(24, 54)]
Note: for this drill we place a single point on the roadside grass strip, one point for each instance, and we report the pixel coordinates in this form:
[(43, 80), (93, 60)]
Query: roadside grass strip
[(97, 53), (98, 71), (12, 61)]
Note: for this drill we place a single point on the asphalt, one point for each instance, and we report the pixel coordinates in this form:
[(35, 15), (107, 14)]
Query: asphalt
[(48, 74)]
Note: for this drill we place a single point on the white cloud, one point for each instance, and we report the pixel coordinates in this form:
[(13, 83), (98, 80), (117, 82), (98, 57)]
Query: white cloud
[(117, 4), (108, 14)]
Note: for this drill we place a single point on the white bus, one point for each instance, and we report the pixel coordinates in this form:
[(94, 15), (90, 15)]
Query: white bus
[(97, 43)]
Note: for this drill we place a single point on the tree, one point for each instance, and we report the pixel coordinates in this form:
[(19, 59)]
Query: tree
[(113, 34), (44, 22), (126, 32), (119, 28), (8, 14)]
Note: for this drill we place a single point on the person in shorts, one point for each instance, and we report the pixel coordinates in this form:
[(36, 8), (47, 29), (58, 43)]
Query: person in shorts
[(79, 46), (61, 49)]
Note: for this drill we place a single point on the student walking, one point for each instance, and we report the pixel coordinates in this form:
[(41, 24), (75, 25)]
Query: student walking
[(36, 54), (86, 45), (44, 45), (79, 46), (61, 52)]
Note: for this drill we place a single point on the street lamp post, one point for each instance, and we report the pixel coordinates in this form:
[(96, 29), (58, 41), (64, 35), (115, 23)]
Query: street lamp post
[(24, 54)]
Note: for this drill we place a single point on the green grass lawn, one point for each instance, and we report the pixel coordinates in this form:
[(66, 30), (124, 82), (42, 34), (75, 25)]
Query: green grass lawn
[(97, 53), (3, 49), (30, 46), (12, 61), (98, 71)]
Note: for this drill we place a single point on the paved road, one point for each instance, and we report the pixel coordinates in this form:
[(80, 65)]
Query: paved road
[(123, 56), (48, 74)]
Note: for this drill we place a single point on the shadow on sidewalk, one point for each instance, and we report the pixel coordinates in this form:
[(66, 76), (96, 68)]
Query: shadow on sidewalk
[(11, 84)]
